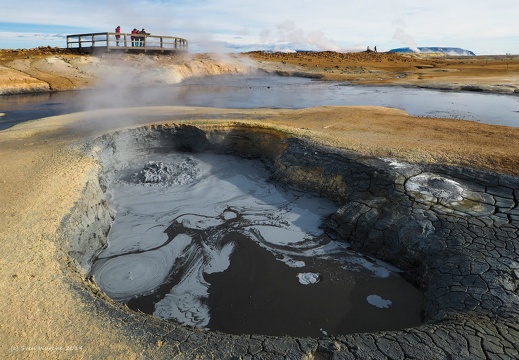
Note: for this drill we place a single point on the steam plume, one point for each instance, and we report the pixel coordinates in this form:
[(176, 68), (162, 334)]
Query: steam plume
[(406, 39), (288, 34)]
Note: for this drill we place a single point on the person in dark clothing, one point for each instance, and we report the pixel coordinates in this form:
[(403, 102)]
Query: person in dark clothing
[(143, 37)]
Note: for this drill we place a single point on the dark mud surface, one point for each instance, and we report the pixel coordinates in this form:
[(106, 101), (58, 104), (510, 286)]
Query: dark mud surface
[(258, 294), (454, 232)]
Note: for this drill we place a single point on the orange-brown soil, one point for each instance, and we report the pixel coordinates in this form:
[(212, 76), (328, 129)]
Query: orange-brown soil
[(402, 69)]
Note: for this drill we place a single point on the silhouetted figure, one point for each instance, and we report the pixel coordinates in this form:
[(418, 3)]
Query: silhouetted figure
[(375, 49)]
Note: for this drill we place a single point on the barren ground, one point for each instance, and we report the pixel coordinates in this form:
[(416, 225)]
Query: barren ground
[(42, 172), (46, 68), (487, 73)]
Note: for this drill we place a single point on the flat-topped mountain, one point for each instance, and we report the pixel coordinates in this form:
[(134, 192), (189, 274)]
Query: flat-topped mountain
[(437, 49)]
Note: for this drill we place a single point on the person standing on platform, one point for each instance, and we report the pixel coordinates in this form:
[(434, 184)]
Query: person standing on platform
[(135, 39), (117, 36), (143, 37)]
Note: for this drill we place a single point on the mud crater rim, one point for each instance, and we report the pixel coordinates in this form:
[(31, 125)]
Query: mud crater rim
[(424, 226)]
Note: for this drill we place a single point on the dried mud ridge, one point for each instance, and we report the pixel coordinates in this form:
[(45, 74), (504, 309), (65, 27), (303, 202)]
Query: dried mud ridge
[(454, 231)]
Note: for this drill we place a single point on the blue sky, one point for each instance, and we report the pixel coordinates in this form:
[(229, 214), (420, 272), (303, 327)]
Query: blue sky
[(484, 27)]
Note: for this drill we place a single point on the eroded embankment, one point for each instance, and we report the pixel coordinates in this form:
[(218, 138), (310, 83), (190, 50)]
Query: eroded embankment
[(454, 231), (30, 73)]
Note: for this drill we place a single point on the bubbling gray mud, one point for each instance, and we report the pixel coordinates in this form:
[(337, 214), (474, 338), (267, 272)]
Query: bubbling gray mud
[(174, 218), (462, 253)]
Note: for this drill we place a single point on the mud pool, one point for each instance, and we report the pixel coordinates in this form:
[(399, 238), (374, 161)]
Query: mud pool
[(208, 241), (452, 231)]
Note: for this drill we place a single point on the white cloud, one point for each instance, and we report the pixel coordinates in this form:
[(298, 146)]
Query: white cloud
[(20, 40)]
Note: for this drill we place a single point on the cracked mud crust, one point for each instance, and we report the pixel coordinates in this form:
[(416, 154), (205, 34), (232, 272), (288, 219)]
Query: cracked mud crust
[(462, 252)]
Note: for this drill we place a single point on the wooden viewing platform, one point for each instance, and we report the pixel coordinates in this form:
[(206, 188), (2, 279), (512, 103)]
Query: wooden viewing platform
[(140, 43)]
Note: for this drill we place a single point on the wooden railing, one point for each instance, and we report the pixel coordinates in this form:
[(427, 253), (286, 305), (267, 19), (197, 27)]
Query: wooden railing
[(135, 42)]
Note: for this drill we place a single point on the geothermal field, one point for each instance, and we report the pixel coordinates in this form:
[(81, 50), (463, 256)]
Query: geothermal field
[(211, 206)]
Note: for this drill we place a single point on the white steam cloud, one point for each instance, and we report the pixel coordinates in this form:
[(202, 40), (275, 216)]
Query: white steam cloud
[(124, 81), (406, 39), (288, 37)]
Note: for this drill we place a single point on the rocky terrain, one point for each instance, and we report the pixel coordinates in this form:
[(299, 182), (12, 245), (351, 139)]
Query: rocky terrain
[(481, 73), (55, 69), (437, 198)]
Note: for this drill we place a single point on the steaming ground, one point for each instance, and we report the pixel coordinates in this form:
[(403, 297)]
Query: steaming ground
[(114, 75), (42, 163), (54, 69), (184, 223)]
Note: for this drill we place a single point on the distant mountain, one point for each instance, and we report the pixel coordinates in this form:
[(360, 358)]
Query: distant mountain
[(443, 50)]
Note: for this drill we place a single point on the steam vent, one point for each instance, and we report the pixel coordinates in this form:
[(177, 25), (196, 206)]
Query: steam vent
[(451, 231)]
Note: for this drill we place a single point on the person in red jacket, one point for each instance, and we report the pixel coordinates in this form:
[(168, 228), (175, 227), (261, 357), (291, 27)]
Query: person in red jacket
[(117, 36), (135, 38)]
